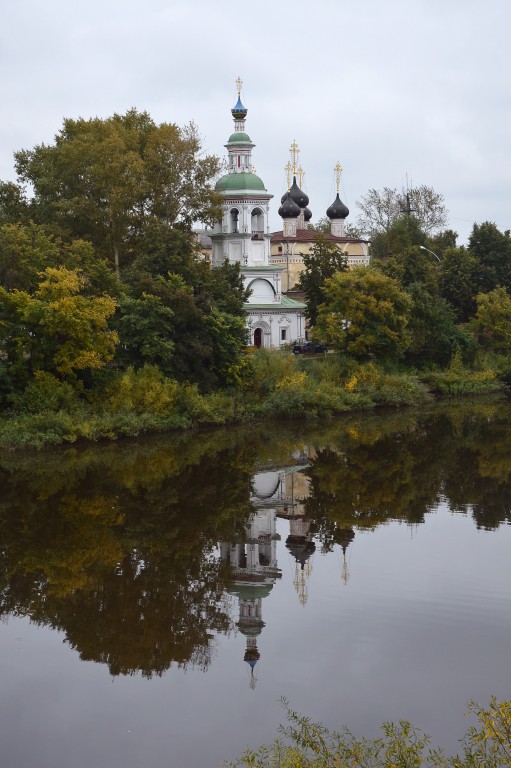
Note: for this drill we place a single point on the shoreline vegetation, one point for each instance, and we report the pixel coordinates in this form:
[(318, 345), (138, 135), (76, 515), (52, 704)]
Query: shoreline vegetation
[(113, 323), (487, 744), (269, 384)]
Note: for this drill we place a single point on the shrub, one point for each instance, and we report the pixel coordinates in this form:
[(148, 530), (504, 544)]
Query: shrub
[(269, 367), (45, 393), (310, 744), (458, 380)]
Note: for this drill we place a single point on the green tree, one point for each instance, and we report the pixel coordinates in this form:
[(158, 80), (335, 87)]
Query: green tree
[(14, 206), (432, 325), (26, 250), (457, 281), (440, 242), (491, 250), (104, 180), (365, 314), (324, 261), (492, 322), (204, 304), (413, 265), (145, 327)]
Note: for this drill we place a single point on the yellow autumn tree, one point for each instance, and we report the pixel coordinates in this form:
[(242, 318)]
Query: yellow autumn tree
[(57, 329)]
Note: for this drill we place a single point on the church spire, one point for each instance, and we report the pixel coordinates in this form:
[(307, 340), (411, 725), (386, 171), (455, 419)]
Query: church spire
[(239, 112)]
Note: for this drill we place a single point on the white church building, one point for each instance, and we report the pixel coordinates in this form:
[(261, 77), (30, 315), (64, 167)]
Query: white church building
[(243, 236)]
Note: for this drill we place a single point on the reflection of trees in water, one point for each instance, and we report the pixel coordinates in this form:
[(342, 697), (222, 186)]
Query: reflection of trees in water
[(130, 577), (116, 545), (363, 479)]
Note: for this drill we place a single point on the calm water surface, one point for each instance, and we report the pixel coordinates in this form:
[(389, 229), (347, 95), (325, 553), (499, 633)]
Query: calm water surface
[(158, 598)]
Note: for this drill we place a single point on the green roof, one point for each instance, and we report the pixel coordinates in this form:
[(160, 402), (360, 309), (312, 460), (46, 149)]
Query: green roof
[(239, 181), (263, 268), (249, 591), (236, 138), (285, 302)]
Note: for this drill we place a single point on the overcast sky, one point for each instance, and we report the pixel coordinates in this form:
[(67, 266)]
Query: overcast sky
[(394, 90)]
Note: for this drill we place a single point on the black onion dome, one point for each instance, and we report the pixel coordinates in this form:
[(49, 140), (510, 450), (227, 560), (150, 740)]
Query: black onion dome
[(338, 210), (307, 214), (300, 548), (298, 196), (289, 209)]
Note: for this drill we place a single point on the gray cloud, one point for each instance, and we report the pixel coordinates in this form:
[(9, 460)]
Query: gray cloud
[(392, 90)]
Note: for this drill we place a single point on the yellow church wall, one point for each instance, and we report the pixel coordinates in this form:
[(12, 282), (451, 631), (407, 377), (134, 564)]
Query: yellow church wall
[(289, 256)]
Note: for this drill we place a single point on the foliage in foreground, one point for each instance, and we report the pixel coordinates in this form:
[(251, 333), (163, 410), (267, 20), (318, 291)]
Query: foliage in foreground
[(270, 384), (310, 745), (459, 381)]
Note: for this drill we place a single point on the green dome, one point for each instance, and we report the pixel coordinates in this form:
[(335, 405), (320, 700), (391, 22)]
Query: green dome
[(250, 591), (236, 138), (239, 181)]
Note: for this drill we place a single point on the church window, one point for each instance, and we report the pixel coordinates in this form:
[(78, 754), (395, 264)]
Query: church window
[(257, 224), (283, 334), (234, 216)]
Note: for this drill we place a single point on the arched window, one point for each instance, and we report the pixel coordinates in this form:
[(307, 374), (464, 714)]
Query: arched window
[(233, 220), (257, 221)]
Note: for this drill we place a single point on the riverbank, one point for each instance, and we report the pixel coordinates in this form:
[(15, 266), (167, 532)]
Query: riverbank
[(272, 385)]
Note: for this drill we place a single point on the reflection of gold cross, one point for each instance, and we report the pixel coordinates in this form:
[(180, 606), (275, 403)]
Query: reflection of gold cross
[(338, 171), (300, 173), (294, 154), (239, 83), (288, 169)]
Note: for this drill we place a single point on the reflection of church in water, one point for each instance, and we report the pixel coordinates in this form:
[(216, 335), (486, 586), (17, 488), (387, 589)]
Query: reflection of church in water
[(278, 493)]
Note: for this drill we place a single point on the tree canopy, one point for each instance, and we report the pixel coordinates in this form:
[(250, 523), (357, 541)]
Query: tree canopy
[(365, 314), (104, 180), (325, 259), (380, 209)]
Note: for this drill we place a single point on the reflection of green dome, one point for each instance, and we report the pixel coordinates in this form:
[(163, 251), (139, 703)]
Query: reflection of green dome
[(239, 181), (236, 138), (250, 591)]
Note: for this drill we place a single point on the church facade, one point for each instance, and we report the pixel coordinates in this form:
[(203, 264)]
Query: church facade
[(243, 237)]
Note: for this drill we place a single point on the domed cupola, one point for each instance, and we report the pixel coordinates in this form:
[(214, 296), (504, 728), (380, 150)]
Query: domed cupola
[(239, 112), (337, 210), (298, 196), (307, 214), (289, 209)]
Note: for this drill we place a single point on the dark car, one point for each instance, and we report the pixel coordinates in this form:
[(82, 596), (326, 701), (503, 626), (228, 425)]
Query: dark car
[(308, 347)]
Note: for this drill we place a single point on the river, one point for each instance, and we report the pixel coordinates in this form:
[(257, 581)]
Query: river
[(160, 596)]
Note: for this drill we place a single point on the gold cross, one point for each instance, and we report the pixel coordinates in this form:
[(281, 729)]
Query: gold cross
[(338, 171), (294, 154), (300, 173), (239, 83), (288, 169)]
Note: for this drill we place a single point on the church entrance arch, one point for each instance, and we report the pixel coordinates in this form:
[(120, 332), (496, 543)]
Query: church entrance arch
[(261, 333)]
